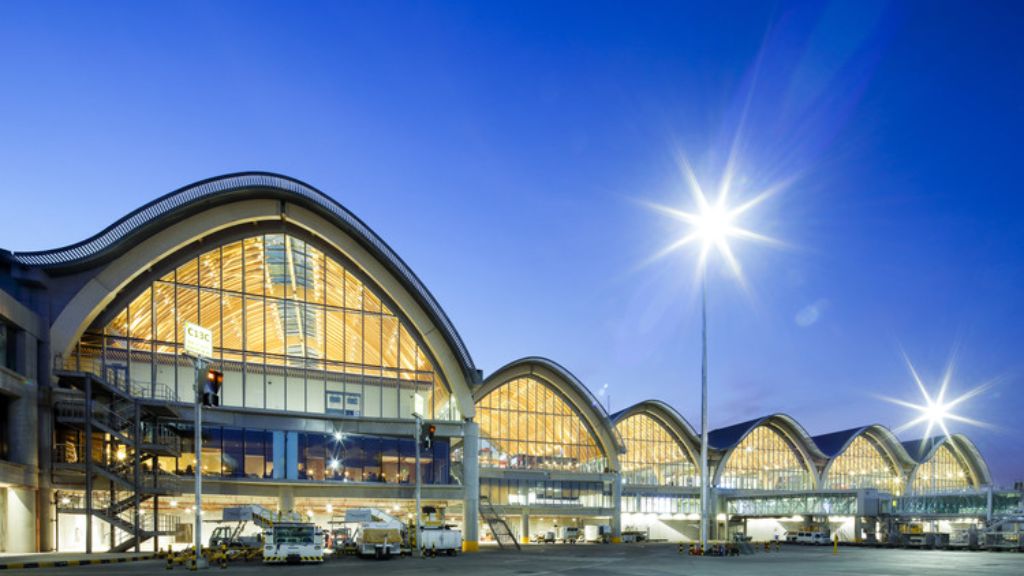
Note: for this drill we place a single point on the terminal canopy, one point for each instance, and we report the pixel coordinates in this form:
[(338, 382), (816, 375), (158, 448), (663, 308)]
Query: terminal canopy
[(294, 328)]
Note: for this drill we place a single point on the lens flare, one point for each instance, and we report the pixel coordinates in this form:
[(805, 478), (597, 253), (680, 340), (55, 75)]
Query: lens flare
[(713, 224), (936, 412)]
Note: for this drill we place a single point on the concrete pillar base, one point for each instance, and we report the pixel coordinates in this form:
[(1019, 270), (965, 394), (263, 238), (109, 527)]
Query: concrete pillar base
[(470, 546)]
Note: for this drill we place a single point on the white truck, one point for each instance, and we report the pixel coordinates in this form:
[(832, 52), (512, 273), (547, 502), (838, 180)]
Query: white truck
[(600, 533), (568, 534), (441, 540), (293, 543), (380, 535)]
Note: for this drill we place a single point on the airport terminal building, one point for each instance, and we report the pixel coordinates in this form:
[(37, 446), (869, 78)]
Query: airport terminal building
[(328, 344)]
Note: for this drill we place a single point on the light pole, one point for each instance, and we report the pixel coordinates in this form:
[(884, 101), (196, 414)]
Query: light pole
[(712, 225), (704, 414)]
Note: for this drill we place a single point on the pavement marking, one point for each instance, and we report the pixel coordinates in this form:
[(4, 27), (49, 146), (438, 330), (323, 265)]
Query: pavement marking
[(66, 563)]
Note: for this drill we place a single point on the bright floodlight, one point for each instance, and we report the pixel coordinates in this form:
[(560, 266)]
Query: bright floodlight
[(935, 412), (713, 224)]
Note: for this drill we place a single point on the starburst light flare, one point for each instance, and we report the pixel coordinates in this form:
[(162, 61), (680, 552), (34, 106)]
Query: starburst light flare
[(713, 224), (936, 411)]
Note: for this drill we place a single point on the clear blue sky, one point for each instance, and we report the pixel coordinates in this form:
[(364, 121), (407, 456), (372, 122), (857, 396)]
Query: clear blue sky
[(505, 150)]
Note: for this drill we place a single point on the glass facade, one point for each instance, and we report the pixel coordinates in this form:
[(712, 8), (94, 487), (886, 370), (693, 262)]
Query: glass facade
[(660, 504), (765, 460), (293, 329), (285, 455), (560, 493), (943, 472), (653, 456), (864, 464), (526, 424), (818, 505)]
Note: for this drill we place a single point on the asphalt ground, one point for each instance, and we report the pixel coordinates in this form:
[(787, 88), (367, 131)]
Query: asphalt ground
[(602, 560)]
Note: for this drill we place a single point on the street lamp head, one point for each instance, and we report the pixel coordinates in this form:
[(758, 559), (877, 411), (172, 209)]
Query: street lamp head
[(714, 224)]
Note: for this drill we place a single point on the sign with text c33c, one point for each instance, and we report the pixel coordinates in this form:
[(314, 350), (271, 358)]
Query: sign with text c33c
[(198, 341)]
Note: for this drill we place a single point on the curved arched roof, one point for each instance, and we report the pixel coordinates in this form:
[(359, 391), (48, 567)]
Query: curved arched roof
[(195, 198), (665, 415), (569, 386), (923, 450), (727, 438), (835, 444)]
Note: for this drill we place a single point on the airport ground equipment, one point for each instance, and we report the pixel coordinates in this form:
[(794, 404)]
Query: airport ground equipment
[(380, 534), (441, 541), (568, 534), (293, 543), (600, 533)]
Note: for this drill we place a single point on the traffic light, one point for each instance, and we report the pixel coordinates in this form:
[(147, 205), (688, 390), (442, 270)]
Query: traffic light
[(427, 436), (211, 389)]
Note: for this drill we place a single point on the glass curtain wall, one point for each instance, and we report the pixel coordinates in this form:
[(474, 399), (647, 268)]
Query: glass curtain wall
[(943, 472), (287, 455), (293, 329), (864, 464), (765, 460), (525, 424), (560, 493), (653, 456)]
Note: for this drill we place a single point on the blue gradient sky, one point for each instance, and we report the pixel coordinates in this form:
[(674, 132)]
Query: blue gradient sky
[(505, 151)]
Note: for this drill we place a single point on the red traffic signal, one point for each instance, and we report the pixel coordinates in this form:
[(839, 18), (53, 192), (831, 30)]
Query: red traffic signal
[(211, 390)]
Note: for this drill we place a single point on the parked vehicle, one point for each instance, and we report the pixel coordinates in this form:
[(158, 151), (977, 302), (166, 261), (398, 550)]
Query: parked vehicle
[(816, 538), (442, 540), (293, 543), (601, 533), (568, 534), (547, 537), (380, 534)]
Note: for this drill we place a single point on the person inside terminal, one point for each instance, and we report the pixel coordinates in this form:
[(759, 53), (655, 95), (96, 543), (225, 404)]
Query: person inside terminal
[(325, 345)]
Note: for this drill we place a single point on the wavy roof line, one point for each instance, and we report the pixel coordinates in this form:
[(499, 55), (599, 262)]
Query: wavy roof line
[(204, 190)]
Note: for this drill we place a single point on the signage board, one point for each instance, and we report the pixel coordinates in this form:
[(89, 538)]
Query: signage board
[(198, 341)]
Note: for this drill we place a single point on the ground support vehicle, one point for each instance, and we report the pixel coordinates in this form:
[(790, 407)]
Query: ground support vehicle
[(293, 543), (568, 534), (597, 534), (380, 535), (441, 541)]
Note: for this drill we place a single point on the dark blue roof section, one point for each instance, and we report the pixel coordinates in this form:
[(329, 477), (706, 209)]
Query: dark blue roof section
[(920, 449), (834, 442), (725, 438)]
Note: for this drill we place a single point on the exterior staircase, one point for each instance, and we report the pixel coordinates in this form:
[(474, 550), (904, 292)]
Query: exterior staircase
[(502, 534), (107, 467)]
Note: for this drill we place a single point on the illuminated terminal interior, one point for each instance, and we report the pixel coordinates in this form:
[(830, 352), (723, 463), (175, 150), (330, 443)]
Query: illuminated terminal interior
[(330, 346)]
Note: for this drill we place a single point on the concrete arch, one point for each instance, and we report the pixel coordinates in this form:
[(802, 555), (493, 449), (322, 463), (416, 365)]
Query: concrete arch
[(670, 419), (963, 448), (727, 439), (95, 272), (835, 445), (576, 395)]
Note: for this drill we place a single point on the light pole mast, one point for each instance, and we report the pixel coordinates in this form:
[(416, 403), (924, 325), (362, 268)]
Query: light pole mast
[(704, 480)]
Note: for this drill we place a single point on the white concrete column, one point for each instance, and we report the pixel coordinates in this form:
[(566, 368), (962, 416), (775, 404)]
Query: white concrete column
[(471, 485), (617, 509), (286, 500), (21, 519), (524, 527)]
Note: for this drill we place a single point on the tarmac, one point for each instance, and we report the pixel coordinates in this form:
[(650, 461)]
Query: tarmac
[(624, 559)]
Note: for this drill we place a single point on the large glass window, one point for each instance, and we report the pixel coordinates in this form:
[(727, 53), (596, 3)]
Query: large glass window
[(945, 471), (293, 329), (547, 493), (765, 460), (653, 456), (864, 464), (526, 424)]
